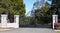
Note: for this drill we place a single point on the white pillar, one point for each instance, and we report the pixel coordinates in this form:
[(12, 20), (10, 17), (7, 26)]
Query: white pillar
[(4, 20), (16, 20), (55, 19)]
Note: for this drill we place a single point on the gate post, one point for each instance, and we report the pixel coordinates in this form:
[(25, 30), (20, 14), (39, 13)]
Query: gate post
[(55, 19), (16, 20), (4, 20)]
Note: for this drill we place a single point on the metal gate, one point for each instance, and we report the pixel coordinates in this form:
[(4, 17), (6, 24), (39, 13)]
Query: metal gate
[(32, 22)]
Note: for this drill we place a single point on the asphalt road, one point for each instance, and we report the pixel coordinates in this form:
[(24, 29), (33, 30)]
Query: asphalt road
[(30, 30)]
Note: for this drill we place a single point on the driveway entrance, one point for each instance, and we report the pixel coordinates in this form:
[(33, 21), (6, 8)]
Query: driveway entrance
[(30, 30)]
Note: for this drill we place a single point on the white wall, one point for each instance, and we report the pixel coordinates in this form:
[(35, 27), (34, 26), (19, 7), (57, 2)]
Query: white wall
[(4, 23), (0, 25), (13, 25)]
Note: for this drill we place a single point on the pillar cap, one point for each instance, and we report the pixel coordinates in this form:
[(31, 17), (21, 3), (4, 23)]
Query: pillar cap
[(54, 15), (16, 15)]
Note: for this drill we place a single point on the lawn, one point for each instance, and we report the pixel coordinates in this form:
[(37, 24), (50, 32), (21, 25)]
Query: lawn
[(58, 32)]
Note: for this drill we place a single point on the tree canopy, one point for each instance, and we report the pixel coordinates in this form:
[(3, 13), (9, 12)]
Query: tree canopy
[(43, 10), (12, 7)]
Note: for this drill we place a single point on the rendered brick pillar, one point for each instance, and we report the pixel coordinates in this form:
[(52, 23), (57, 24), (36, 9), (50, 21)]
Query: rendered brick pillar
[(55, 19), (4, 20), (16, 20)]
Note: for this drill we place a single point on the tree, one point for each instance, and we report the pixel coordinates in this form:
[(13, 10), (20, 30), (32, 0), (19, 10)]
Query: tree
[(12, 7), (56, 5), (41, 15), (43, 10), (54, 9)]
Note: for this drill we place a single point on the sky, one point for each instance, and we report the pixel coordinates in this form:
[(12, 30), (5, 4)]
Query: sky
[(29, 5)]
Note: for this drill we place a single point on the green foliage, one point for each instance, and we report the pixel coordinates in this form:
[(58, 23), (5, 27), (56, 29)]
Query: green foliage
[(48, 11), (55, 6), (13, 7), (43, 10), (41, 14)]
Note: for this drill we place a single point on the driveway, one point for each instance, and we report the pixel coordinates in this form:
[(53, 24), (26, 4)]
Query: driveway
[(30, 30)]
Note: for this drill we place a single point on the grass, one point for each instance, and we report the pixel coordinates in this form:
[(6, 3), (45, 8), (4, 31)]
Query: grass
[(58, 32)]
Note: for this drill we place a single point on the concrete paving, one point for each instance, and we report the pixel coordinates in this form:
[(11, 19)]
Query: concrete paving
[(30, 30)]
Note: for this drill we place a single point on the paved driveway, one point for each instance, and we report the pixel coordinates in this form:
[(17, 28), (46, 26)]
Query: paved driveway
[(30, 30)]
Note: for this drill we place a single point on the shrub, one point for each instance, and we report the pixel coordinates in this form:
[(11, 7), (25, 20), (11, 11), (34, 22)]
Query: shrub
[(56, 24)]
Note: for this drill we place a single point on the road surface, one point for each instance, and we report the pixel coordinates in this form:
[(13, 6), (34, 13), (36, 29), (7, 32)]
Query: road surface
[(30, 30)]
